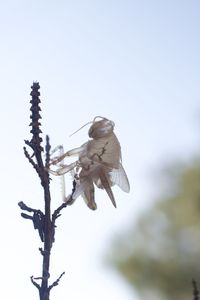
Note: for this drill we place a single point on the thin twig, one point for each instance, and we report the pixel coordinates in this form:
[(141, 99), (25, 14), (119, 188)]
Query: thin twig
[(56, 282), (47, 149), (56, 213), (195, 290), (35, 283), (29, 157), (41, 251), (37, 218), (69, 201), (35, 166), (28, 217), (23, 206)]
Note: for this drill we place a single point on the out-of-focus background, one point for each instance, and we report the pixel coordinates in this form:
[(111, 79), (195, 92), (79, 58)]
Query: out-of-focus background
[(136, 63)]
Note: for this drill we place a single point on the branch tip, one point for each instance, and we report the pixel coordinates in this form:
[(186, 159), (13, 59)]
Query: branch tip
[(56, 282), (35, 283), (35, 117), (195, 290)]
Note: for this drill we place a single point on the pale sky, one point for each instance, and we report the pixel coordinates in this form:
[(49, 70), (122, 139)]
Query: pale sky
[(134, 62)]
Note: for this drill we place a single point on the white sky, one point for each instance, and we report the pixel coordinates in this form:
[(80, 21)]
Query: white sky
[(135, 62)]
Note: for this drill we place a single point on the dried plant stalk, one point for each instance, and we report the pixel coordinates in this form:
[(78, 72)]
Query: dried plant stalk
[(195, 290), (44, 222)]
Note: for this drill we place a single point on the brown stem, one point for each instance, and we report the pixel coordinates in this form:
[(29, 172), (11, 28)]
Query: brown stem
[(195, 290), (41, 221), (44, 292)]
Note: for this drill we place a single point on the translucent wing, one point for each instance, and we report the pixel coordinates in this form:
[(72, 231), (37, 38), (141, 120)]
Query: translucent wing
[(88, 196), (119, 177), (106, 186), (86, 190), (80, 187)]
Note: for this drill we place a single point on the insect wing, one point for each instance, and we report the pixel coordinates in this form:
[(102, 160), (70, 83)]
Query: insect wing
[(106, 185), (119, 177), (88, 196), (80, 187), (86, 190)]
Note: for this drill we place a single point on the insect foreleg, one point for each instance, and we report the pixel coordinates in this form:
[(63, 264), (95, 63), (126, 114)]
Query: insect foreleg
[(63, 169), (59, 147), (75, 151)]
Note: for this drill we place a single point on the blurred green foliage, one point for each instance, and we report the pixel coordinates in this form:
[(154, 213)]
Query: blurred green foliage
[(160, 256)]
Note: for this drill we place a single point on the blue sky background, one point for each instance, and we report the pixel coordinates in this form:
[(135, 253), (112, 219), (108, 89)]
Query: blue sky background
[(134, 62)]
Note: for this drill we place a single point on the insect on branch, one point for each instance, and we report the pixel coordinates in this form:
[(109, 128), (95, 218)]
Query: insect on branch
[(98, 163)]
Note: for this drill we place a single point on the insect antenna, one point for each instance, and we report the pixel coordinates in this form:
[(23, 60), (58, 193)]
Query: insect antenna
[(81, 127), (94, 120)]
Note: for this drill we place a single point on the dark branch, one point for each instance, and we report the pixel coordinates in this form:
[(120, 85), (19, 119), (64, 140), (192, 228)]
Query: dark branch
[(57, 211), (55, 215), (35, 117), (35, 166), (29, 157), (56, 282), (43, 222), (23, 206), (30, 145), (69, 201), (47, 149), (41, 251), (37, 218), (195, 290), (25, 216), (35, 283)]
